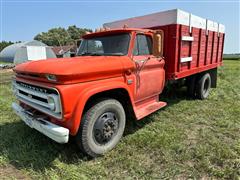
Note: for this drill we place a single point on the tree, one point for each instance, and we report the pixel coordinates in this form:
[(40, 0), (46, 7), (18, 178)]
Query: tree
[(76, 33), (61, 36), (54, 37), (4, 44)]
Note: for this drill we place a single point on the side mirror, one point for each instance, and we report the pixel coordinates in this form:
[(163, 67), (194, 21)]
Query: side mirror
[(158, 43)]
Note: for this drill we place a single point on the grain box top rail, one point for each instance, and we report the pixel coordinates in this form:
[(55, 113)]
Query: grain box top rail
[(175, 16)]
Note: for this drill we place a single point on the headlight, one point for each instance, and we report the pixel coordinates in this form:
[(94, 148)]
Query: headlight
[(51, 77), (54, 103), (51, 103)]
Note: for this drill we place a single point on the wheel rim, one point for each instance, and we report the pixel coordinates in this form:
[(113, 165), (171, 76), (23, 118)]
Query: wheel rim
[(105, 128), (206, 86)]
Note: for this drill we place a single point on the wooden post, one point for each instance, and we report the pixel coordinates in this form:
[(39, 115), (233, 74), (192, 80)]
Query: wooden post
[(206, 49), (179, 48), (217, 48), (190, 52), (222, 48), (213, 39), (199, 47)]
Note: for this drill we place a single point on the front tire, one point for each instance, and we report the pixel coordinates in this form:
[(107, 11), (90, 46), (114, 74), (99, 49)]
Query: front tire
[(101, 128)]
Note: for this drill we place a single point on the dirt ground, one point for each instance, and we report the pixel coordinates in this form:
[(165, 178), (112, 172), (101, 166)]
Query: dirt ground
[(5, 75), (5, 71), (10, 172)]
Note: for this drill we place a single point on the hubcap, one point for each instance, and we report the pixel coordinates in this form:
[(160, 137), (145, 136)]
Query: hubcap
[(105, 127)]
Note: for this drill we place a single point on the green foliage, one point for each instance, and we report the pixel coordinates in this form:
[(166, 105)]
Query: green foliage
[(76, 33), (4, 44), (231, 56), (61, 36)]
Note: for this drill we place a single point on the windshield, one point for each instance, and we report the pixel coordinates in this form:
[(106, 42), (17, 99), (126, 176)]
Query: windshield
[(112, 45)]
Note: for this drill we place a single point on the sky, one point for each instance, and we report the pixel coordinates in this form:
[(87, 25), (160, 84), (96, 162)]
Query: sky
[(21, 20)]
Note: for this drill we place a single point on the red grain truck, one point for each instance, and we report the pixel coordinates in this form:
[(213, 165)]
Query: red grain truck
[(120, 71)]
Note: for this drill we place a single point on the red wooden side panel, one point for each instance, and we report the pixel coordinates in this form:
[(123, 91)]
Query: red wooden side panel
[(197, 34), (206, 50)]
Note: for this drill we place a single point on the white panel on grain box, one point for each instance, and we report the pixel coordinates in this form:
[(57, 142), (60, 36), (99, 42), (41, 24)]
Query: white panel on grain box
[(186, 59), (183, 17), (198, 22), (212, 26), (174, 16), (36, 52), (221, 28), (147, 21), (187, 38)]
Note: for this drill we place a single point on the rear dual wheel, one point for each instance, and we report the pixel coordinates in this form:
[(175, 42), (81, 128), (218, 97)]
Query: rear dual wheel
[(102, 127), (203, 86), (199, 86)]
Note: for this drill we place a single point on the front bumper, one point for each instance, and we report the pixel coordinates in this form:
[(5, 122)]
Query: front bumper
[(53, 131)]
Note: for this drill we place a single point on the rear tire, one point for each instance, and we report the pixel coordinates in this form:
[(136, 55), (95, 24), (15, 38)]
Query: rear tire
[(101, 128), (203, 86)]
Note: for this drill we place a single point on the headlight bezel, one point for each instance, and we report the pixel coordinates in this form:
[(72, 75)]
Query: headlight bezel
[(51, 103), (54, 103)]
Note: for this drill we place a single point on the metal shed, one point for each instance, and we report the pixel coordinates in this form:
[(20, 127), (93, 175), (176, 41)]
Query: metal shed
[(26, 51)]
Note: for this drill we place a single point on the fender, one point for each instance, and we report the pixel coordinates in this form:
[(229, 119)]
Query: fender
[(84, 96)]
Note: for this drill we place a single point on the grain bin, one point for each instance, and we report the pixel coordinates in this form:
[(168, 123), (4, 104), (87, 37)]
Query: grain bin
[(26, 51)]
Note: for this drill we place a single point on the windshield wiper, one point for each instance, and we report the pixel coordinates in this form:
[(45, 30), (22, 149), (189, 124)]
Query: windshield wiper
[(85, 53), (113, 54), (100, 54), (90, 54)]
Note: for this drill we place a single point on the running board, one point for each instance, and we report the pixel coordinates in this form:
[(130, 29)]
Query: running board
[(148, 108)]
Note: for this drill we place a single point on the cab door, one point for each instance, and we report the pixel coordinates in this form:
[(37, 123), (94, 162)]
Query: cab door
[(149, 72)]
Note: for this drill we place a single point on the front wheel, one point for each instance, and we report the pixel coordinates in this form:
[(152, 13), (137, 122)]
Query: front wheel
[(101, 128)]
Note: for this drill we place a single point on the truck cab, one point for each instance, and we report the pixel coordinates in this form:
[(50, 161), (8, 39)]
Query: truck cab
[(117, 73)]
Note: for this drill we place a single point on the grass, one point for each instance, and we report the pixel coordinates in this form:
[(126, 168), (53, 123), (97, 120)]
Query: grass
[(187, 139), (3, 62)]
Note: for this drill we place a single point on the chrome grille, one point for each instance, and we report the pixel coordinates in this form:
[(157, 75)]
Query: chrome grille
[(37, 97)]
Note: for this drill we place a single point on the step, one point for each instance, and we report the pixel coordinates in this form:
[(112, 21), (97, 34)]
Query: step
[(148, 108)]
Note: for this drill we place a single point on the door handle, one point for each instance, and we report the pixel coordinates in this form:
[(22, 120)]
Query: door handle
[(143, 60)]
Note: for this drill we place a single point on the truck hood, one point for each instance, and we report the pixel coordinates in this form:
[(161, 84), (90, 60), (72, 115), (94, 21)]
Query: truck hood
[(77, 69)]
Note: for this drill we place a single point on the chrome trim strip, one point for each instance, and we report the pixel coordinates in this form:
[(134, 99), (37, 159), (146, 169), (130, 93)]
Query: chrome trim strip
[(27, 98), (44, 110), (35, 93)]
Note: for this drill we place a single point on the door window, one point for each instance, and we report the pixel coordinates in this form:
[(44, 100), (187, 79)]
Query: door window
[(142, 45)]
